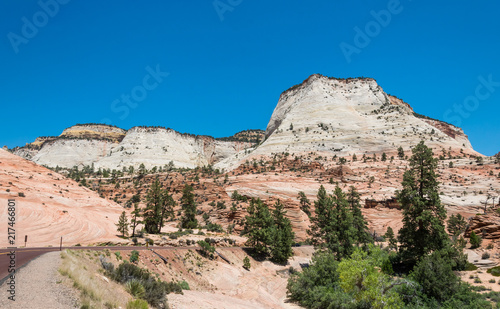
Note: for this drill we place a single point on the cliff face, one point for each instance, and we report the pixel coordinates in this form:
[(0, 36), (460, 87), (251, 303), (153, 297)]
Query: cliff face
[(351, 116), (111, 147)]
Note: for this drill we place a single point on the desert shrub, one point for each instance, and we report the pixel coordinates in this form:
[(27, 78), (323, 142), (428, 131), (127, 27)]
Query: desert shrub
[(118, 255), (495, 271), (490, 246), (134, 256), (246, 263), (134, 240), (470, 267), (492, 281), (214, 227), (135, 288), (137, 304), (477, 280), (108, 266), (206, 249), (485, 256), (475, 240), (184, 285), (155, 291)]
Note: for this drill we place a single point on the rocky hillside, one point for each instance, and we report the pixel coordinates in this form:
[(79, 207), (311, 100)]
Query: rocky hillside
[(251, 136), (115, 148), (51, 206), (348, 116)]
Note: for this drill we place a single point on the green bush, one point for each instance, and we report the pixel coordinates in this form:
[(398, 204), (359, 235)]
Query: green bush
[(135, 288), (184, 285), (206, 249), (470, 267), (475, 240), (435, 275), (246, 263), (137, 304), (494, 271), (134, 256)]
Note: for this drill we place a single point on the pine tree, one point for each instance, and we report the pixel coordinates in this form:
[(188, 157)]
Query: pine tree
[(122, 224), (258, 227), (391, 240), (332, 227), (134, 222), (321, 231), (345, 227), (167, 209), (304, 203), (188, 220), (456, 224), (154, 204), (282, 235), (361, 235), (423, 215)]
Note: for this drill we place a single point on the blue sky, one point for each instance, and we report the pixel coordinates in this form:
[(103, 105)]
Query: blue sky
[(221, 65)]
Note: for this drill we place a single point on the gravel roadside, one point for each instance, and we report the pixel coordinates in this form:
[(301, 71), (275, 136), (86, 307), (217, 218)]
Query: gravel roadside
[(38, 285)]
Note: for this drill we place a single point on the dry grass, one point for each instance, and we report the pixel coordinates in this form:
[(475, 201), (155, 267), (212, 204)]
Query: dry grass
[(84, 270)]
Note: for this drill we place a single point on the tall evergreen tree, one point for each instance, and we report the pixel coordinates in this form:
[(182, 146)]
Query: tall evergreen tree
[(122, 225), (188, 220), (259, 226), (155, 200), (423, 215), (281, 246), (345, 225), (304, 203), (332, 226), (322, 230), (361, 235), (391, 239), (134, 222), (167, 209)]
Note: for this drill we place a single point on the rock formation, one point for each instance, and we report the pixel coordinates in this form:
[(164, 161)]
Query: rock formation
[(114, 148)]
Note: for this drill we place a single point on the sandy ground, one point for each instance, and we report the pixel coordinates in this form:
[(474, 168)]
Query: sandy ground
[(218, 284), (39, 285)]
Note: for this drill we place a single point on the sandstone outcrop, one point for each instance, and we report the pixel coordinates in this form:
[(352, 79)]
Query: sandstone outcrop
[(349, 116), (486, 226), (49, 206), (114, 148)]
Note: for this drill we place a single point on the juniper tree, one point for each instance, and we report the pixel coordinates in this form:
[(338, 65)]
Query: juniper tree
[(188, 220), (423, 214), (401, 153)]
